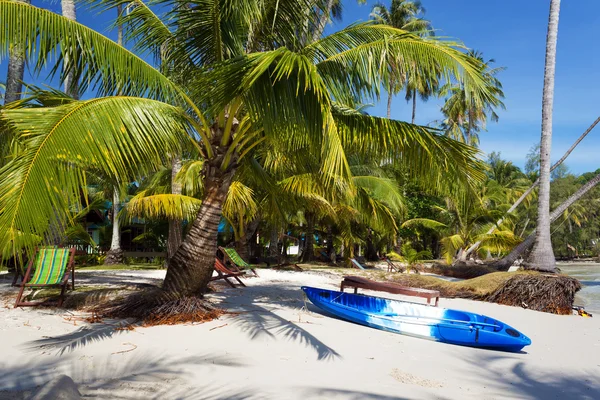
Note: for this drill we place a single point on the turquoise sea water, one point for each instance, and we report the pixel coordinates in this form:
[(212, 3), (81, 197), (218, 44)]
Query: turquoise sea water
[(589, 275)]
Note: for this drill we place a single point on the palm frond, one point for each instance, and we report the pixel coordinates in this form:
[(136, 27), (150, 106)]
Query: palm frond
[(103, 66), (122, 137), (162, 206)]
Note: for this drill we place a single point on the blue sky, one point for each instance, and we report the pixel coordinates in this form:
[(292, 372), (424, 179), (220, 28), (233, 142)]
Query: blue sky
[(513, 33)]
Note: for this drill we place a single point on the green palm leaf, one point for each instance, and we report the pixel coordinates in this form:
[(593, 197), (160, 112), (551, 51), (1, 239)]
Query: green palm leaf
[(162, 206), (122, 138), (103, 66)]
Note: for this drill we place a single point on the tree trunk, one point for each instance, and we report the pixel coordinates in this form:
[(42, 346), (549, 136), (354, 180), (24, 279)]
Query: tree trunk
[(190, 268), (330, 247), (322, 21), (273, 241), (115, 254), (16, 71), (308, 252), (507, 261), (242, 245), (370, 251), (536, 183), (414, 105), (542, 255), (389, 104), (71, 87), (175, 226)]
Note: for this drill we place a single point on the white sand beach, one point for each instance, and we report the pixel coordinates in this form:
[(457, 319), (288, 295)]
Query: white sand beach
[(276, 349)]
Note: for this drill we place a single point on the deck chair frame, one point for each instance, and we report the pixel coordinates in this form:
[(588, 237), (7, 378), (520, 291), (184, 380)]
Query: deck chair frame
[(225, 274), (239, 268), (69, 273)]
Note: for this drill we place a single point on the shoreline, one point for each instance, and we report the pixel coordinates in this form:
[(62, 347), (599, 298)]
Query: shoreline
[(274, 345)]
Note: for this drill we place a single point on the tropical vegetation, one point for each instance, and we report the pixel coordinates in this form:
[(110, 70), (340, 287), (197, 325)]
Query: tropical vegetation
[(239, 122)]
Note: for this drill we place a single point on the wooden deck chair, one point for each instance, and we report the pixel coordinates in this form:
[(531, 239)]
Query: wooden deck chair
[(356, 264), (225, 274), (51, 267), (391, 266), (235, 259)]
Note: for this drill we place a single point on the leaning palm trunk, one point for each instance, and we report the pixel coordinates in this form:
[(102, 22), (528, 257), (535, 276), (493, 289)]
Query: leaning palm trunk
[(175, 226), (15, 73), (509, 260), (71, 87), (535, 184), (190, 268), (542, 255)]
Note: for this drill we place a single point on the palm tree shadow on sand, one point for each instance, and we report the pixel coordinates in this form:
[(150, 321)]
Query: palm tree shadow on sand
[(144, 376), (532, 383), (256, 318)]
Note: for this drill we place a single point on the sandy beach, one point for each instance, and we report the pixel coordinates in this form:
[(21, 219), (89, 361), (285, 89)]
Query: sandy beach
[(278, 347)]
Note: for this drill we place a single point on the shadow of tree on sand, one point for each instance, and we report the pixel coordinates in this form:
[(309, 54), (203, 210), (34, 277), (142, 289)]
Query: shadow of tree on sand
[(144, 376), (328, 393), (525, 382), (81, 337), (258, 319)]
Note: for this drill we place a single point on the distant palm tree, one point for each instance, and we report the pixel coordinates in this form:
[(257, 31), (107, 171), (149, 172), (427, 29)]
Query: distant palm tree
[(464, 115), (405, 15), (542, 255)]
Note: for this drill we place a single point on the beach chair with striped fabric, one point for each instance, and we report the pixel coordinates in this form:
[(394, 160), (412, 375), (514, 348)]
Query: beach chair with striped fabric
[(235, 259), (50, 267), (225, 274)]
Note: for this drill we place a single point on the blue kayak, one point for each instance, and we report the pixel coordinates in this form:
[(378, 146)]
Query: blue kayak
[(440, 324)]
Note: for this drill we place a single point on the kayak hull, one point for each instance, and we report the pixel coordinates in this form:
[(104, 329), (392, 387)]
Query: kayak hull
[(434, 323)]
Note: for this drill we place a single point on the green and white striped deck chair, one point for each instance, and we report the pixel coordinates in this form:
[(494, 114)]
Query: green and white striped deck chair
[(50, 267), (235, 259)]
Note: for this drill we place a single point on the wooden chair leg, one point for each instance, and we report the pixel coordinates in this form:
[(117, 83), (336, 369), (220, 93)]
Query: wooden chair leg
[(437, 299), (239, 280), (20, 295), (61, 298)]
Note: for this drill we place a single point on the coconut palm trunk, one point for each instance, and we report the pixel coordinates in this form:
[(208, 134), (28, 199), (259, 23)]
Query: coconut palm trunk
[(414, 105), (509, 260), (115, 254), (308, 251), (323, 20), (389, 104), (273, 241), (71, 87), (542, 255), (16, 72), (190, 268), (175, 226)]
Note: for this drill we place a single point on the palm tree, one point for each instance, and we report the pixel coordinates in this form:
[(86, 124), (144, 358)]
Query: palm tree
[(71, 87), (412, 257), (16, 71), (405, 15), (284, 93), (464, 116), (542, 255)]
